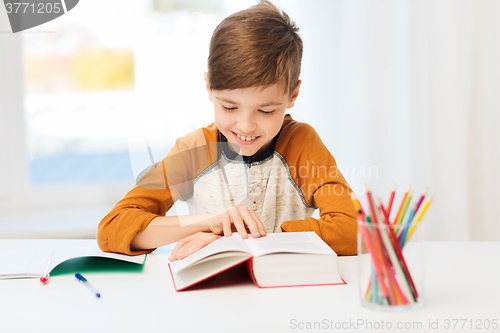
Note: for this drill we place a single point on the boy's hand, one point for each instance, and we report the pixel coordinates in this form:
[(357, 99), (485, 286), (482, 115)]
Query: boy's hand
[(241, 218), (191, 244)]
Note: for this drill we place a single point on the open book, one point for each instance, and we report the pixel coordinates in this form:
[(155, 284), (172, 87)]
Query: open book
[(38, 256), (276, 260)]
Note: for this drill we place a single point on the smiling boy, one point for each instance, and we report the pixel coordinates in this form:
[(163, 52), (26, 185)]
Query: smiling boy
[(254, 169)]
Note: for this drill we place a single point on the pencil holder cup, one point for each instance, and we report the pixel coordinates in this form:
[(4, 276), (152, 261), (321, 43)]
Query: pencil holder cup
[(391, 266)]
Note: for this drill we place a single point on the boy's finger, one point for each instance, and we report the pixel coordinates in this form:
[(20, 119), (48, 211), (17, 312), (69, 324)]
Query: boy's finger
[(238, 222), (187, 249), (250, 222), (195, 245), (260, 225), (179, 252), (226, 226), (180, 244)]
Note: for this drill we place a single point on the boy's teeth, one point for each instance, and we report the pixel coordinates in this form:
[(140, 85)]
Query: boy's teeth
[(245, 138)]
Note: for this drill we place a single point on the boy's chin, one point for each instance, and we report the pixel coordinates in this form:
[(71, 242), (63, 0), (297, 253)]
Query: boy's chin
[(243, 151), (248, 152)]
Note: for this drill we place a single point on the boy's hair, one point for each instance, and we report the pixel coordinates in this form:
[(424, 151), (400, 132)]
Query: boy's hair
[(258, 46)]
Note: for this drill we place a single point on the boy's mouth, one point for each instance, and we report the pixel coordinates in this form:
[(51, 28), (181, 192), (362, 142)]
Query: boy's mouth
[(245, 140)]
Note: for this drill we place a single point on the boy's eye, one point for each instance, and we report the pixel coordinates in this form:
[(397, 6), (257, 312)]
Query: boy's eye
[(268, 113)]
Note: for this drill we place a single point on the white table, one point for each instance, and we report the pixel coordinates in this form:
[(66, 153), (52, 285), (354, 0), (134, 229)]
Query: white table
[(462, 282)]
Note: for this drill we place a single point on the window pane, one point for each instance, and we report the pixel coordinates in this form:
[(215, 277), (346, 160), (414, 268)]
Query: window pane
[(110, 78)]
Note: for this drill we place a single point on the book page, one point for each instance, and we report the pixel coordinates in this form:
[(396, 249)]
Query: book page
[(233, 243), (24, 262), (30, 258), (289, 242)]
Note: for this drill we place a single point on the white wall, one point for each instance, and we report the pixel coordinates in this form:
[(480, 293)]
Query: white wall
[(411, 88), (12, 167)]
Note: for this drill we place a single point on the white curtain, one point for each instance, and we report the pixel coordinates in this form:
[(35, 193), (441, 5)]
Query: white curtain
[(408, 93)]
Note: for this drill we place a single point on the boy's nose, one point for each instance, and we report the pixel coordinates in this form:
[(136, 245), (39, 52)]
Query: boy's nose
[(247, 125)]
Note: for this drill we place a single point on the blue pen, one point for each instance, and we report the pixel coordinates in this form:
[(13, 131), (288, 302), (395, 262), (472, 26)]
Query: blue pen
[(84, 280)]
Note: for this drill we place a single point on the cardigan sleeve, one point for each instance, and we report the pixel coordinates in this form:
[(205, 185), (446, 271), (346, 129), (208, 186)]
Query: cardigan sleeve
[(132, 214), (323, 187), (157, 190), (337, 223)]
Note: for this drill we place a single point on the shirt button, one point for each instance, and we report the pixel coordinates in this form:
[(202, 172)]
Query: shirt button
[(255, 206)]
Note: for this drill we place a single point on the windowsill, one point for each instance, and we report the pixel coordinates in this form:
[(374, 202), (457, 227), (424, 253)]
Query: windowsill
[(78, 222)]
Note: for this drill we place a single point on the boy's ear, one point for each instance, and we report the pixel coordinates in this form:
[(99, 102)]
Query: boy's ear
[(294, 95), (208, 87)]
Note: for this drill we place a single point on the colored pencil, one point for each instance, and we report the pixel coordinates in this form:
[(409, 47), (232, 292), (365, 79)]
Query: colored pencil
[(374, 288), (408, 221), (394, 267), (385, 264), (401, 206), (394, 264), (419, 203), (390, 282), (391, 200), (417, 220), (375, 260), (402, 261), (403, 211), (368, 293), (402, 233), (356, 203)]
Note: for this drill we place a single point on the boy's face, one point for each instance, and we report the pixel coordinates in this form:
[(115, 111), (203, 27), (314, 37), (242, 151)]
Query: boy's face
[(250, 118)]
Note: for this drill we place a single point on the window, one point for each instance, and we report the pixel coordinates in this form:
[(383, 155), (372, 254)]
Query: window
[(85, 95), (110, 79)]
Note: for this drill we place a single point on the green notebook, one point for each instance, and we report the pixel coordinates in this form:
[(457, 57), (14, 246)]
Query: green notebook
[(32, 258), (95, 264)]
